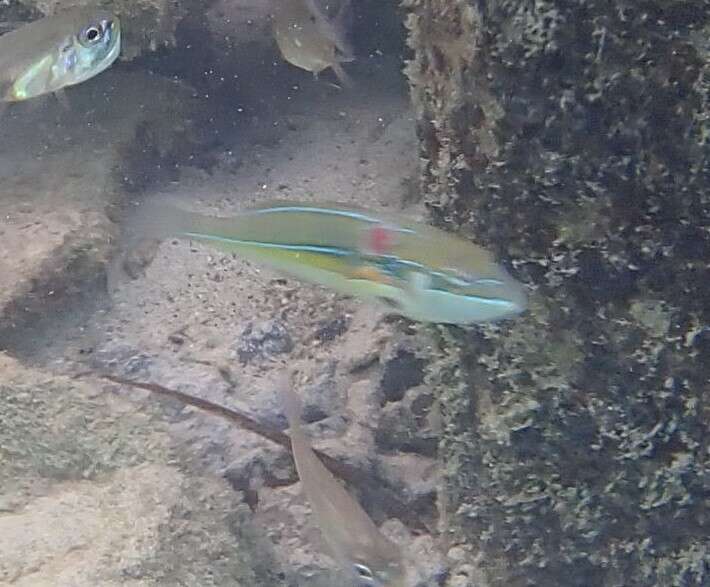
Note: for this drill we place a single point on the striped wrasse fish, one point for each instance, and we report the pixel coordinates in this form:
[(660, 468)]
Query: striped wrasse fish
[(417, 270)]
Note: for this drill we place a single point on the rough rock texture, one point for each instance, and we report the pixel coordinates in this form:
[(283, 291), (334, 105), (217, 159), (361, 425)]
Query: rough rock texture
[(88, 462), (62, 168), (572, 139)]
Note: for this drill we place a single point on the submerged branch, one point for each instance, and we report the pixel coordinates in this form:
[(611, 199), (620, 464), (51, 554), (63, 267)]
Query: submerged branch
[(365, 481)]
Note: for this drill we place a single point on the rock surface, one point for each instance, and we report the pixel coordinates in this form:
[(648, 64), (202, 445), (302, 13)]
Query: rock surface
[(572, 139), (95, 493)]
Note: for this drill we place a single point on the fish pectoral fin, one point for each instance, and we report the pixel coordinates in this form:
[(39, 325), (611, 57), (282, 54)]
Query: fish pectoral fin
[(342, 76), (61, 97), (391, 303), (416, 282)]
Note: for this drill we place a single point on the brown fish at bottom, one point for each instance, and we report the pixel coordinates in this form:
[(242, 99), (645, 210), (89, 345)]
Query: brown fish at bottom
[(370, 558)]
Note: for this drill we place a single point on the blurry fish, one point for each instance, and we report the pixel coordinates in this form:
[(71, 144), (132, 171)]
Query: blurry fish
[(417, 270), (54, 52), (371, 559), (311, 41)]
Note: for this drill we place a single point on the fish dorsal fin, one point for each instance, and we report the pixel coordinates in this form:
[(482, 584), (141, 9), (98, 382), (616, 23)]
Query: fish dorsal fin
[(341, 25)]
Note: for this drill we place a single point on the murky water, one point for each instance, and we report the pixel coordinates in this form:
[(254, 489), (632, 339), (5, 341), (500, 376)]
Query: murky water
[(484, 454)]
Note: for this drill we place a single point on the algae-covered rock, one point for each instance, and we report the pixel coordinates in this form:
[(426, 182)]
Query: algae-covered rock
[(572, 139), (91, 493)]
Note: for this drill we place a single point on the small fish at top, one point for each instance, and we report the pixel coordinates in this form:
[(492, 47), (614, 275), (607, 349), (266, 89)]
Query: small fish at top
[(416, 270), (308, 39), (57, 51), (370, 558)]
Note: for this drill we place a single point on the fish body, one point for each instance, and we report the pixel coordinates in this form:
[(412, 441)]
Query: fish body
[(309, 40), (417, 270), (54, 52), (364, 552)]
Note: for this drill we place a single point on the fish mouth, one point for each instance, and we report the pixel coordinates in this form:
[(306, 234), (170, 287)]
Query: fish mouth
[(113, 34), (114, 25)]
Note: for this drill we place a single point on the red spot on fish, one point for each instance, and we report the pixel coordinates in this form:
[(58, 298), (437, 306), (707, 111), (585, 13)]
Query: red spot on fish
[(380, 240)]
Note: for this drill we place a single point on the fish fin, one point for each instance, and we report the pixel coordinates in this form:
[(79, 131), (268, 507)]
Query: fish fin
[(345, 58), (142, 231), (342, 75), (341, 24), (61, 97), (414, 284)]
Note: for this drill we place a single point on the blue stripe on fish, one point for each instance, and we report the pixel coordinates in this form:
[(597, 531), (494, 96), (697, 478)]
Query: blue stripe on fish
[(473, 298), (327, 212), (388, 264), (336, 252)]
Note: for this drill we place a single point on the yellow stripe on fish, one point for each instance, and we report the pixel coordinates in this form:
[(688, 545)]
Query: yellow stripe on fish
[(421, 272)]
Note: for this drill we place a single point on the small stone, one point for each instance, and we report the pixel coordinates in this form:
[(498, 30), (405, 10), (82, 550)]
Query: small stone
[(322, 397), (330, 330), (120, 359), (262, 340), (402, 372)]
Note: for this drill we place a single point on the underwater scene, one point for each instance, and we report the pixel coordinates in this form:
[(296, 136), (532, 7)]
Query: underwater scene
[(354, 293)]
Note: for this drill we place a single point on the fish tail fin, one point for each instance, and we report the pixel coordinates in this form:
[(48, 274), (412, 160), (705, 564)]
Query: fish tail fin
[(345, 80), (143, 230), (343, 11), (159, 219), (342, 23)]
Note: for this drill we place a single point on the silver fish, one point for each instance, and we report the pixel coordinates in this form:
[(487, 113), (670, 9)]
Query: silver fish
[(369, 557), (54, 52)]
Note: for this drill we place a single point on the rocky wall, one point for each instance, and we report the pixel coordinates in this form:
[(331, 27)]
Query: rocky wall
[(572, 139)]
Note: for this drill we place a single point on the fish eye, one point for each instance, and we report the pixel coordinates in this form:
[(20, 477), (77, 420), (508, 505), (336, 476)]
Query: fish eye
[(92, 34)]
